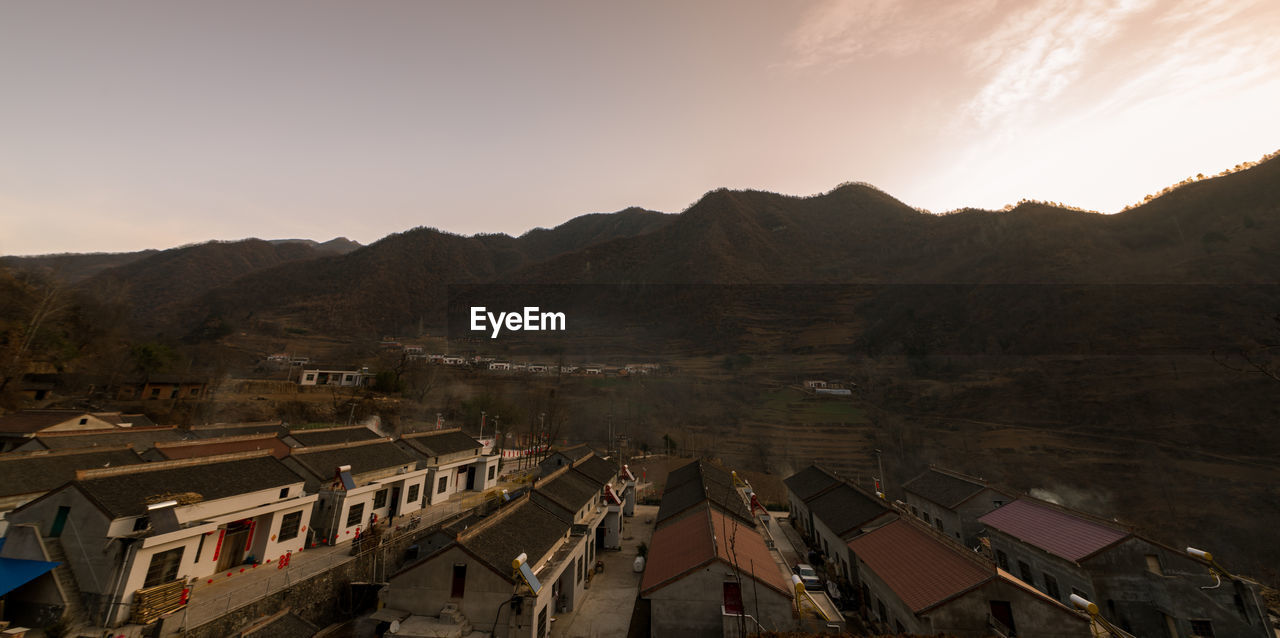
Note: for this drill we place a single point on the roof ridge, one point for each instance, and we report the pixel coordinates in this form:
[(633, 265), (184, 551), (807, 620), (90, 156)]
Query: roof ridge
[(335, 446), (221, 426), (419, 435), (217, 439), (29, 454), (155, 466), (332, 429), (959, 475), (112, 430)]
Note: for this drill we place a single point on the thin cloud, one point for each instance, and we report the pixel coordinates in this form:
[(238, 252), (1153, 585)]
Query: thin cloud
[(1034, 56), (837, 32)]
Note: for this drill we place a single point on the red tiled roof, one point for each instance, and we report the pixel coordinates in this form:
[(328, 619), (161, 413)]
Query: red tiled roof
[(920, 568), (1055, 531), (686, 544)]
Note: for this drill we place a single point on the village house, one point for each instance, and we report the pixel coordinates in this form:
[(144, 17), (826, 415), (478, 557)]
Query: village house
[(18, 428), (917, 581), (560, 457), (27, 476), (471, 582), (143, 439), (952, 502), (359, 484), (163, 387), (452, 360), (453, 460), (165, 522), (169, 450), (336, 375), (835, 514), (802, 486), (1142, 586), (709, 571), (500, 365)]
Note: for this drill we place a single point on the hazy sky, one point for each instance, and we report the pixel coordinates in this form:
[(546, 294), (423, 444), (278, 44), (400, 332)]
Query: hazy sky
[(130, 125)]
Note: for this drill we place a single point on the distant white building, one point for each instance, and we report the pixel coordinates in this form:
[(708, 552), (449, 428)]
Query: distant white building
[(500, 365), (345, 376)]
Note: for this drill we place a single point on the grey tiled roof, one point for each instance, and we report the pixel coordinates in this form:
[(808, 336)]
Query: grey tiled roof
[(442, 442), (570, 489), (312, 438), (943, 488), (319, 465), (521, 527), (845, 508), (141, 440), (128, 494), (810, 482), (218, 431), (701, 481), (29, 473), (597, 469)]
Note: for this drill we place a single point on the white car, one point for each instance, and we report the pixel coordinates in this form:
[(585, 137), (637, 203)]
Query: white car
[(809, 577)]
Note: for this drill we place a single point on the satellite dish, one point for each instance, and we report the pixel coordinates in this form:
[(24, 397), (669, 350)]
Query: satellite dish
[(395, 626)]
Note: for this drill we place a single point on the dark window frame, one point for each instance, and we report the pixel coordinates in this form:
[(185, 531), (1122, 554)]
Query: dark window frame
[(355, 515), (289, 525)]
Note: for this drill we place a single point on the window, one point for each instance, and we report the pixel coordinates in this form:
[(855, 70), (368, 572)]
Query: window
[(925, 516), (492, 469), (1202, 628), (542, 622), (459, 587), (1153, 565), (1002, 559), (141, 523), (194, 392), (915, 512), (311, 377), (444, 484), (173, 394), (284, 492), (733, 598), (155, 393), (355, 515), (163, 567), (996, 504), (84, 421), (579, 568), (1025, 571), (880, 608), (413, 494), (380, 499), (289, 525), (1051, 587), (937, 522)]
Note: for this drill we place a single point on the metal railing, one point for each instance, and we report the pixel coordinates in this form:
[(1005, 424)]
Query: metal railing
[(201, 610)]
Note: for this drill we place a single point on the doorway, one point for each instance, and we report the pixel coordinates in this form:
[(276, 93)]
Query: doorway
[(234, 543)]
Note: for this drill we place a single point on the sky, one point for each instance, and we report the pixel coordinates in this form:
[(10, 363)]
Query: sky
[(128, 125)]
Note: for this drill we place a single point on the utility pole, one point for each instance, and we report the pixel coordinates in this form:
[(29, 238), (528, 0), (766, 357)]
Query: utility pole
[(482, 416), (881, 491)]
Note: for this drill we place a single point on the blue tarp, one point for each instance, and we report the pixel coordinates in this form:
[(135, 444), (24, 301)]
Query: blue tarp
[(16, 572)]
